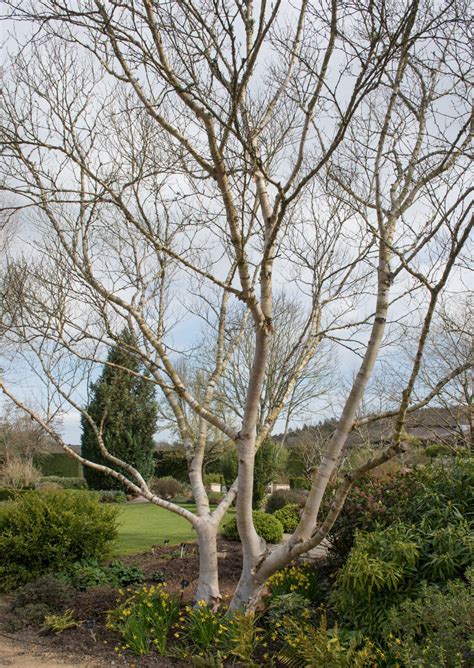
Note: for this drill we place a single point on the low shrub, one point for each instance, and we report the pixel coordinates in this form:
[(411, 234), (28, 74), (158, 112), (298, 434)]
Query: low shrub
[(289, 516), (422, 493), (47, 531), (65, 483), (436, 628), (215, 498), (438, 450), (213, 477), (283, 497), (144, 619), (229, 529), (111, 496), (90, 573), (49, 486), (292, 604), (167, 487), (267, 526), (300, 483), (47, 590), (388, 566), (32, 614)]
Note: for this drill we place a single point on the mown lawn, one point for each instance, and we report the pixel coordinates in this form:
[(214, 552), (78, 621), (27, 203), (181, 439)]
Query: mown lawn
[(142, 525)]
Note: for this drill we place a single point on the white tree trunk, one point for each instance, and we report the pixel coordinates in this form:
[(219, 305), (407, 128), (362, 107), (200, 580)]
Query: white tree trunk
[(208, 584), (248, 591)]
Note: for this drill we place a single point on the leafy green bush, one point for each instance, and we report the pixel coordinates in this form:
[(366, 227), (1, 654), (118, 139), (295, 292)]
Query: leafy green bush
[(292, 604), (213, 477), (289, 516), (438, 450), (90, 573), (282, 497), (144, 619), (167, 487), (434, 629), (422, 493), (229, 529), (48, 486), (111, 496), (386, 567), (267, 526), (215, 498), (46, 590), (32, 614), (66, 483), (47, 531)]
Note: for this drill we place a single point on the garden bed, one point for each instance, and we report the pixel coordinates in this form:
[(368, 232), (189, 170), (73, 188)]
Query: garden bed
[(90, 606)]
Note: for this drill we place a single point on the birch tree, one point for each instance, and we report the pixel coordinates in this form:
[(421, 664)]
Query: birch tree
[(174, 153)]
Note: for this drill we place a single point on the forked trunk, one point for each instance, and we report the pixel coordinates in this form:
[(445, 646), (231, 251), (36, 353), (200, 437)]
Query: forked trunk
[(249, 590)]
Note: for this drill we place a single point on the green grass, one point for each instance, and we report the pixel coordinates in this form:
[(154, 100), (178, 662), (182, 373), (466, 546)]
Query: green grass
[(142, 525)]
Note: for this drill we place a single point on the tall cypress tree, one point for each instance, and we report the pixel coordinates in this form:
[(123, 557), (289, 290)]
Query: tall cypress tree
[(128, 404)]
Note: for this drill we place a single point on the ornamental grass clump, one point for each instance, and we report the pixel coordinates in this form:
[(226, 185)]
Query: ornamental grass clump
[(144, 619)]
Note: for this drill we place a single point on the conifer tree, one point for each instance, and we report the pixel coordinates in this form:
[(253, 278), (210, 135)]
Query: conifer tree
[(125, 404)]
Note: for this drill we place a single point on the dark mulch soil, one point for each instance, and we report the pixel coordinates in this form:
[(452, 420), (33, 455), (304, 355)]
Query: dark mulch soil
[(91, 606), (175, 568)]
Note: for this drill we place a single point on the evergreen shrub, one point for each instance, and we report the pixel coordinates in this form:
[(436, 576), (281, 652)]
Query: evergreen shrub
[(41, 532)]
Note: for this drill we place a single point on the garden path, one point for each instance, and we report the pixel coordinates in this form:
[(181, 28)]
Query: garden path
[(17, 654)]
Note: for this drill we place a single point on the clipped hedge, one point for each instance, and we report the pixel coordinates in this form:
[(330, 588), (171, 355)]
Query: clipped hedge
[(289, 516), (66, 483), (59, 464), (267, 526), (42, 532)]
